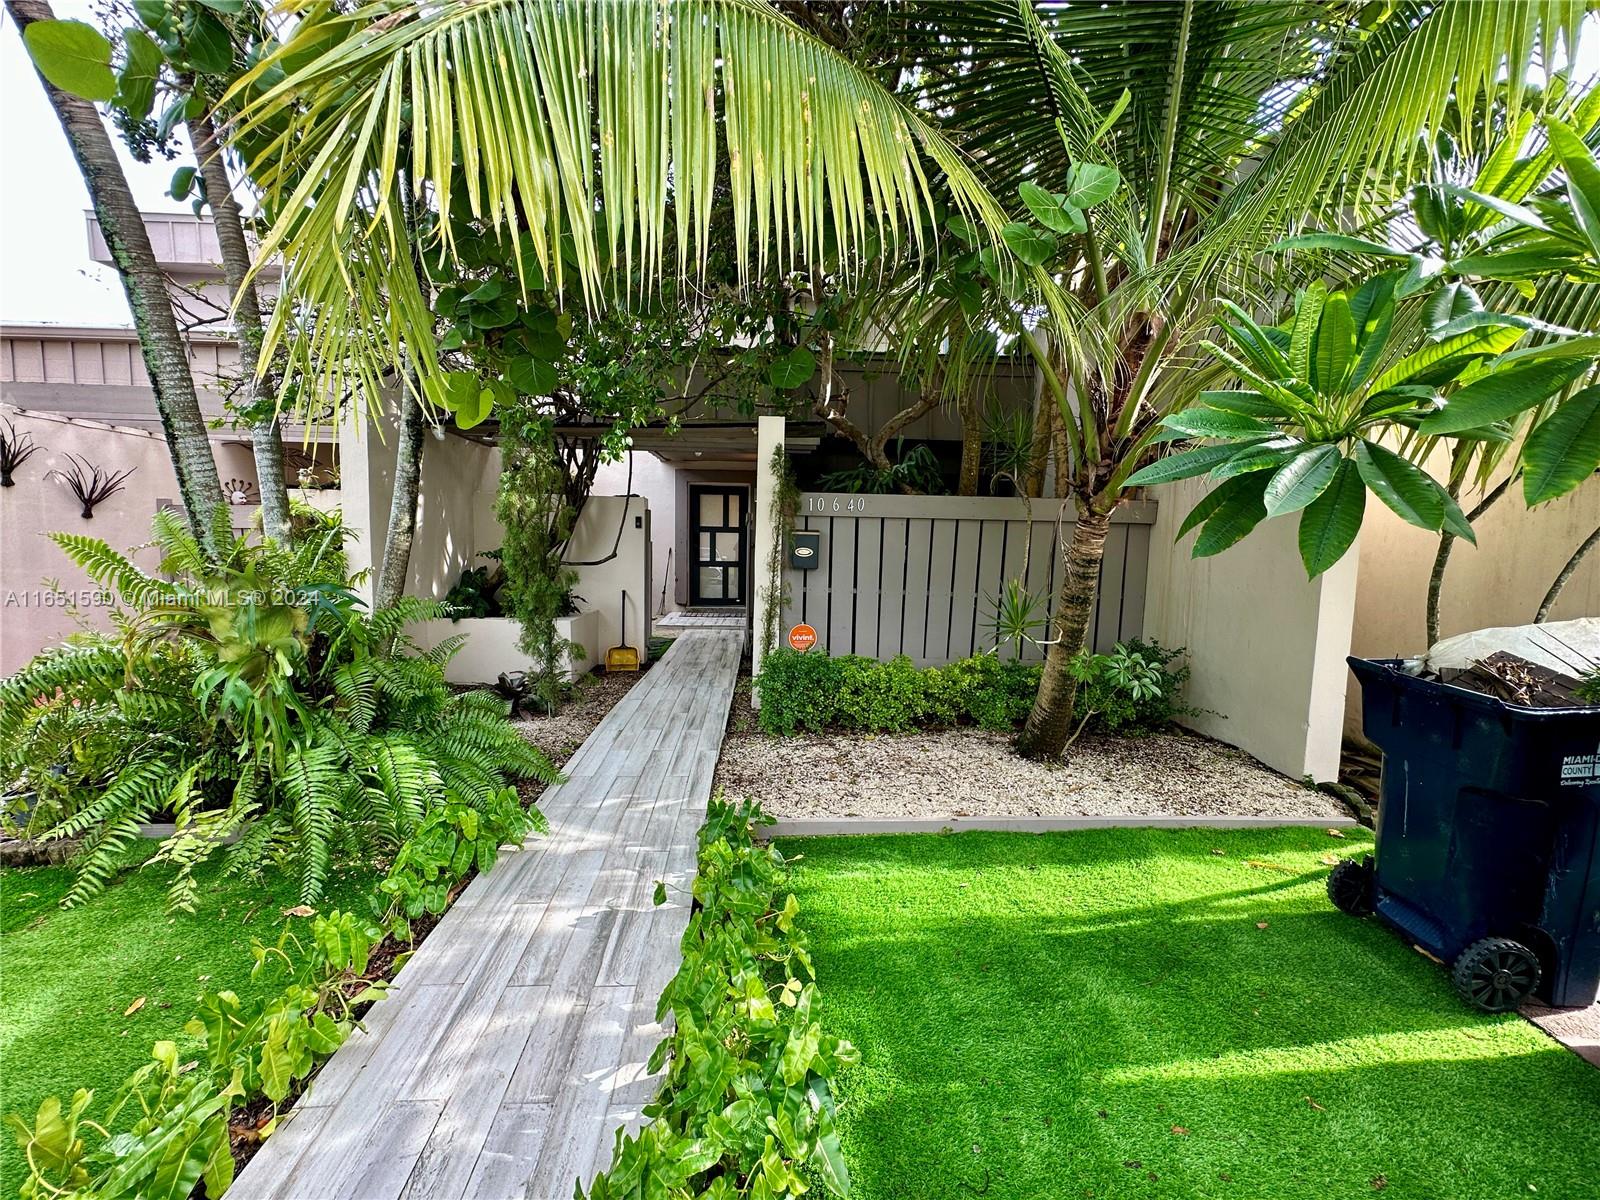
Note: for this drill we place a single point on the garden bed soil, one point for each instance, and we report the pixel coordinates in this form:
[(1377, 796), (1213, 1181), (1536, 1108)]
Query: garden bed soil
[(975, 773), (591, 698)]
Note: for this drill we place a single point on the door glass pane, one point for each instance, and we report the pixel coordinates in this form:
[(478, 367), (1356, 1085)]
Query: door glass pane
[(735, 508), (732, 574), (727, 547), (711, 508), (705, 547), (711, 582)]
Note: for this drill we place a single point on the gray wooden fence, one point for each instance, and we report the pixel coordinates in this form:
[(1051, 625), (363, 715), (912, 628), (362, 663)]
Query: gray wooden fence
[(921, 575)]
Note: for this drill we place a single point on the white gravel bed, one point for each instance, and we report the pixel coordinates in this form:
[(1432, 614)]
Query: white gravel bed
[(971, 772)]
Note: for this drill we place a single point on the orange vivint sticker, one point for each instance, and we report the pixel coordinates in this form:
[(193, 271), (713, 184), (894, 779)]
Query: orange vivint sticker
[(802, 638)]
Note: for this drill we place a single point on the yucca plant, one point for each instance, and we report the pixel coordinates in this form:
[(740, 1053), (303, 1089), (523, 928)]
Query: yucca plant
[(257, 703), (1320, 393)]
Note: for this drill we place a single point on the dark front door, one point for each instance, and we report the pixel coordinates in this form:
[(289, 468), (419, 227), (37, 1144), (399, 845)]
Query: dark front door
[(717, 543)]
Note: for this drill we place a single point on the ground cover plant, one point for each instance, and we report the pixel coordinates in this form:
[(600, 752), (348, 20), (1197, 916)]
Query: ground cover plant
[(1157, 1013), (252, 700), (746, 1105), (1134, 689), (89, 989)]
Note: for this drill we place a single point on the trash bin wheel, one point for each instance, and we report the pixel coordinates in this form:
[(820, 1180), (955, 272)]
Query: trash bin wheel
[(1496, 974), (1352, 886)]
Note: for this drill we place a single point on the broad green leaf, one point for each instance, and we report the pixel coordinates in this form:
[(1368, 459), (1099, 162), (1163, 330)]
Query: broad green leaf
[(1182, 466), (1032, 246), (1406, 488), (1051, 209), (1212, 423), (1338, 241), (1303, 333), (1449, 302), (1260, 456), (962, 229), (531, 376), (1442, 361), (1329, 524), (1502, 394), (74, 56), (1505, 208), (228, 8), (136, 84), (1248, 404), (1090, 183), (1583, 180), (1483, 319), (1335, 346), (1455, 521), (476, 410), (1564, 449), (182, 183), (1224, 493), (793, 369), (208, 47), (1301, 480), (1424, 269), (1234, 518)]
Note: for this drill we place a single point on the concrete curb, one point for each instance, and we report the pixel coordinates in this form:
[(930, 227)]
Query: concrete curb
[(845, 826)]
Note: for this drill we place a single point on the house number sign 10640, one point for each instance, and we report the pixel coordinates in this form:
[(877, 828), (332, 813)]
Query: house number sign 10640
[(855, 504)]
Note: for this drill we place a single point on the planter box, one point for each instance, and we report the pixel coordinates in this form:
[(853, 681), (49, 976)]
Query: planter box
[(491, 645)]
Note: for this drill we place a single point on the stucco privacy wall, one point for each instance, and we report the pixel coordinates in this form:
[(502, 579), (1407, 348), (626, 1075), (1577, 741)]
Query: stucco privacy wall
[(33, 616), (1499, 582), (1266, 645), (654, 480), (456, 522)]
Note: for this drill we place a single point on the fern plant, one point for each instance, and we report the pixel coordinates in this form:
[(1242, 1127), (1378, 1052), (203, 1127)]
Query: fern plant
[(252, 698)]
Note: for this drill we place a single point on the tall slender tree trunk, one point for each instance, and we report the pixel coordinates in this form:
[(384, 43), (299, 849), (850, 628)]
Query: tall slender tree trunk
[(1441, 560), (971, 446), (265, 438), (1050, 723), (166, 359), (1566, 574), (412, 434)]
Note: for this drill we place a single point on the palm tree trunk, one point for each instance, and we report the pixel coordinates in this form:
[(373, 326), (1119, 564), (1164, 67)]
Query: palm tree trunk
[(166, 359), (265, 439), (1050, 723), (396, 567), (971, 446), (1567, 572)]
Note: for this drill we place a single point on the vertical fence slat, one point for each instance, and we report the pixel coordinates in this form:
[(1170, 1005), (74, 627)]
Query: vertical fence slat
[(921, 576)]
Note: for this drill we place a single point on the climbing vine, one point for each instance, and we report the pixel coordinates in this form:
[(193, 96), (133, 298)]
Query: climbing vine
[(785, 507)]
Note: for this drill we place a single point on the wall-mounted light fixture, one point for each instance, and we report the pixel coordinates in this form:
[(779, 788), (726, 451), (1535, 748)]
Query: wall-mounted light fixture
[(15, 449), (90, 484)]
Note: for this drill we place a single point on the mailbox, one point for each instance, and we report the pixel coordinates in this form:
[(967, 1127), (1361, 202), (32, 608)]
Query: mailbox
[(805, 549)]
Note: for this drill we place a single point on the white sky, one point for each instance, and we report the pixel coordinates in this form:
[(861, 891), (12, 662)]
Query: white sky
[(45, 272)]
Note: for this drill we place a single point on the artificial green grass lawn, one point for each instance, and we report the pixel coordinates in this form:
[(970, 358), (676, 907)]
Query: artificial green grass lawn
[(1099, 1014), (68, 976)]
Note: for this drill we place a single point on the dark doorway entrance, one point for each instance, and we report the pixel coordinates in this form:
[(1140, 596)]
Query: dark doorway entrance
[(717, 544)]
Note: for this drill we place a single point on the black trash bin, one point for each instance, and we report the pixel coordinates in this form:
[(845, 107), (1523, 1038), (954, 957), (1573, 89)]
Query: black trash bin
[(1488, 837)]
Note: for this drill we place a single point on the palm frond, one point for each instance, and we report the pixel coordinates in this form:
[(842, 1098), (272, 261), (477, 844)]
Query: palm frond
[(562, 129)]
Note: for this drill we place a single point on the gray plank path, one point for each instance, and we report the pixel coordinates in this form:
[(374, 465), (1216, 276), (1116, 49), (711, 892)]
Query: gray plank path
[(513, 1044)]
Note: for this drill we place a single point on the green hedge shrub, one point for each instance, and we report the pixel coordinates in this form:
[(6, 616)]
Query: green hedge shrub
[(746, 1110), (1133, 690)]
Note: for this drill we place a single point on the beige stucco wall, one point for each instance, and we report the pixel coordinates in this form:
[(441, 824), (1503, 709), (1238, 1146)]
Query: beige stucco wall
[(456, 522), (43, 597), (1266, 645), (1499, 582)]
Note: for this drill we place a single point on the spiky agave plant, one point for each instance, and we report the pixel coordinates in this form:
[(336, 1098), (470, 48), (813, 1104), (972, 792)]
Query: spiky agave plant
[(257, 703)]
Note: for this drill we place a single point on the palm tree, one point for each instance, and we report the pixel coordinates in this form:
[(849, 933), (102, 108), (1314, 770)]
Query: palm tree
[(582, 128), (1228, 125), (166, 358)]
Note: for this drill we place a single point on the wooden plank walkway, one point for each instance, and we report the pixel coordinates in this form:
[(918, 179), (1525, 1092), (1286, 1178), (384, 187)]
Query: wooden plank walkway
[(514, 1043)]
